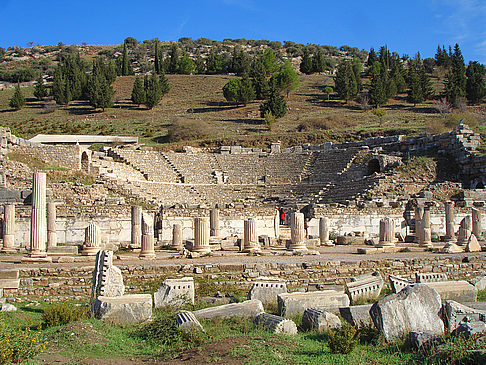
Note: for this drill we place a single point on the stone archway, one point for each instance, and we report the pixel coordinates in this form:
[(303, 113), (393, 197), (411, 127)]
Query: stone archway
[(478, 183), (373, 166), (85, 162)]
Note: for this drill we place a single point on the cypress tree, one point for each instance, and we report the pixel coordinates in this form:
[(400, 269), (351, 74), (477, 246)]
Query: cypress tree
[(415, 91), (174, 59), (60, 89), (345, 81), (247, 91), (275, 104), (40, 90), (372, 57), (456, 77), (357, 68), (306, 63), (99, 86), (138, 92), (258, 75), (156, 61), (425, 83), (17, 101), (476, 82), (164, 84), (153, 91), (318, 61), (378, 85)]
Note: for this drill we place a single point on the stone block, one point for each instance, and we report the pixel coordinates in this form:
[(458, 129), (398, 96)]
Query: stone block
[(291, 304), (62, 251), (479, 282), (175, 292), (9, 283), (357, 315), (187, 321), (460, 291), (9, 274), (364, 287), (455, 313), (319, 320), (275, 324), (415, 308), (430, 277), (123, 310), (107, 278), (267, 289), (249, 308), (397, 283)]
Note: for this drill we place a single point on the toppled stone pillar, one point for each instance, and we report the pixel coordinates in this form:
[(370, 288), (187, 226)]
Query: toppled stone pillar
[(9, 228), (214, 223), (449, 222), (107, 278), (465, 230), (51, 225), (136, 239), (275, 324), (176, 237), (387, 232), (324, 232), (201, 235), (476, 223), (297, 232), (319, 320), (250, 238), (148, 249), (175, 292), (187, 321), (92, 240), (38, 227)]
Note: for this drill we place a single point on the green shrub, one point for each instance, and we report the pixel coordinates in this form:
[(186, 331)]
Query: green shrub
[(57, 314), (455, 350), (343, 340), (19, 344)]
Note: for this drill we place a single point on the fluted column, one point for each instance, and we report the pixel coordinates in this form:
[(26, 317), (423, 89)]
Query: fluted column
[(324, 232), (476, 223), (250, 237), (214, 222), (9, 228), (449, 222), (38, 229), (92, 240), (201, 235), (177, 237), (136, 239), (51, 225), (297, 232), (387, 232), (148, 249)]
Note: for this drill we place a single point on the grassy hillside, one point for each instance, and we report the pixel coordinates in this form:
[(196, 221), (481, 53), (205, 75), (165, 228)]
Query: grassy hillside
[(197, 101)]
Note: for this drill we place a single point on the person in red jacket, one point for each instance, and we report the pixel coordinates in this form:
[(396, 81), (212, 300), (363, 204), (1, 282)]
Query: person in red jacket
[(282, 215)]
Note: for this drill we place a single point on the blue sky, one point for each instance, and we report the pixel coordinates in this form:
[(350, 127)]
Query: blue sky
[(406, 26)]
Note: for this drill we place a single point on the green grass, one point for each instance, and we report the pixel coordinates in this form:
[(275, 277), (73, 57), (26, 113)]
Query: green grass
[(482, 296)]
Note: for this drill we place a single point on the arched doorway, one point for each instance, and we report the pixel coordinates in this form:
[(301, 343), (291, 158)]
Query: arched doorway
[(373, 166), (85, 162)]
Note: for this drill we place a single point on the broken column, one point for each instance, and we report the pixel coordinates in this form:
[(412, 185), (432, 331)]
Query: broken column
[(176, 237), (250, 238), (275, 324), (147, 249), (38, 227), (426, 235), (214, 223), (476, 223), (465, 230), (419, 213), (51, 225), (201, 235), (92, 240), (449, 222), (276, 224), (297, 232), (9, 228), (387, 232), (136, 240), (324, 232)]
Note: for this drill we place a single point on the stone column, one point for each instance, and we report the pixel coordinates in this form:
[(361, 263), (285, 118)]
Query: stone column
[(324, 232), (250, 238), (148, 249), (214, 222), (38, 229), (476, 224), (465, 230), (276, 225), (449, 222), (9, 228), (51, 225), (201, 235), (426, 230), (177, 237), (136, 240), (92, 240), (297, 232), (419, 214), (387, 232)]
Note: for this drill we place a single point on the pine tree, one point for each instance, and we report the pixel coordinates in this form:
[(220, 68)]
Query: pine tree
[(138, 92), (287, 79), (345, 81), (99, 85), (247, 91), (275, 104), (258, 75), (318, 61), (269, 61), (425, 83), (185, 66), (153, 91), (372, 58), (231, 90), (456, 77), (17, 101), (476, 82), (415, 91), (156, 60), (357, 68), (60, 90), (378, 85), (174, 59), (306, 63), (40, 91)]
